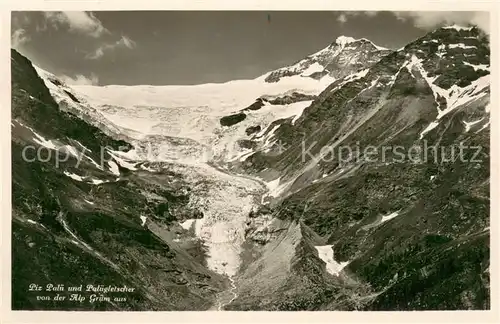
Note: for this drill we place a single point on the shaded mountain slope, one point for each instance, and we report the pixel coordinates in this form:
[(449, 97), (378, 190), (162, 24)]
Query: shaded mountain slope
[(79, 221), (412, 227)]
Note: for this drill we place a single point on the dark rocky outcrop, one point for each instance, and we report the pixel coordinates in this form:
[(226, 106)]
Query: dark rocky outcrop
[(247, 144), (292, 98), (252, 130), (256, 105), (232, 119)]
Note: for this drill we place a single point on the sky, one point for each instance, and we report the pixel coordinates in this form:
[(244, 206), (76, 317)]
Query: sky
[(193, 47)]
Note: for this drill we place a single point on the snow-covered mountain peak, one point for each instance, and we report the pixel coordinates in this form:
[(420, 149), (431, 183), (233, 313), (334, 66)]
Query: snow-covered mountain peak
[(344, 56), (342, 40), (458, 27)]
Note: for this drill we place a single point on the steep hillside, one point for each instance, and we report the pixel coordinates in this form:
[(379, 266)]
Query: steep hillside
[(411, 225), (341, 58), (80, 218)]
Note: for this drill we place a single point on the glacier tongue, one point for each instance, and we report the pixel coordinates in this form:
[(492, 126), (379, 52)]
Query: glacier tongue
[(226, 200)]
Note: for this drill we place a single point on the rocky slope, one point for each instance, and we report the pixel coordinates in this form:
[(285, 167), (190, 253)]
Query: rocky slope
[(249, 188), (78, 221), (412, 228), (343, 57)]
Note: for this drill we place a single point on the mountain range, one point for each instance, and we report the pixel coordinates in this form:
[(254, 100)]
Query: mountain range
[(239, 195)]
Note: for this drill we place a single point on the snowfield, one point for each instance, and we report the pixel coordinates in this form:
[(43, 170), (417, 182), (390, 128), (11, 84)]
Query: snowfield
[(194, 112)]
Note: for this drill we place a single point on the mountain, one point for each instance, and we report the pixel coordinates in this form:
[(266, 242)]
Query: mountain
[(242, 195), (79, 218), (343, 57), (244, 103), (414, 230)]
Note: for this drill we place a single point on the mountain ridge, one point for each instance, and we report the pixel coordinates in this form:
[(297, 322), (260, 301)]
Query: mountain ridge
[(342, 57)]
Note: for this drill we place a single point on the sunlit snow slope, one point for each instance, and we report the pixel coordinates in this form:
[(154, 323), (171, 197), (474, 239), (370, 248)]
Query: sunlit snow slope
[(194, 112)]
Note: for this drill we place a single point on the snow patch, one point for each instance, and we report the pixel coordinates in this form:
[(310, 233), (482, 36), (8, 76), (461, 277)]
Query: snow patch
[(83, 146), (97, 181), (457, 27), (146, 168), (226, 201), (89, 202), (484, 127), (344, 40), (42, 141), (461, 45), (389, 217), (455, 96), (274, 187), (468, 125), (325, 253), (143, 220), (478, 67), (351, 78), (73, 176), (313, 68), (117, 156), (113, 167), (226, 147), (66, 227), (187, 224), (429, 127), (71, 150)]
